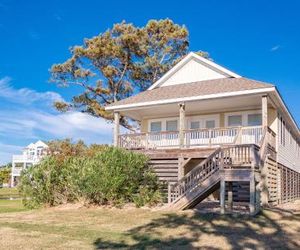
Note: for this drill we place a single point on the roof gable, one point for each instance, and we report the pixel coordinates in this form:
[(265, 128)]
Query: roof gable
[(40, 143), (193, 68)]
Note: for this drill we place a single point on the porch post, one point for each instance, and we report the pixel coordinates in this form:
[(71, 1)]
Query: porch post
[(116, 128), (252, 193), (181, 124), (264, 111), (222, 194), (222, 185)]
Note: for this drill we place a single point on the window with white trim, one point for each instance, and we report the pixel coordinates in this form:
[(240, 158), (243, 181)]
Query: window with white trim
[(235, 120), (194, 125), (155, 126), (254, 120), (171, 125), (210, 124)]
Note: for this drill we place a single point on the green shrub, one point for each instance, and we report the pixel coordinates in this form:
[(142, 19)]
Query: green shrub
[(117, 176), (110, 176), (4, 175), (51, 182)]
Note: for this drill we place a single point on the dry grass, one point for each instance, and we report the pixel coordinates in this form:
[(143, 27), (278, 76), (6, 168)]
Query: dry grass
[(76, 227)]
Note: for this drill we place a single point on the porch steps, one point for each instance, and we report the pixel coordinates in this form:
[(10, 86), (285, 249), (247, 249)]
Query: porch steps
[(203, 190), (196, 185), (229, 163)]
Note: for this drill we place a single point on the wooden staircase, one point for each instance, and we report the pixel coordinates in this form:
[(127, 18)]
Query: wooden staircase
[(197, 184), (235, 163)]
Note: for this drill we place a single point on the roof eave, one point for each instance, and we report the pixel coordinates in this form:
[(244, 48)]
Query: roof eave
[(188, 99), (286, 109)]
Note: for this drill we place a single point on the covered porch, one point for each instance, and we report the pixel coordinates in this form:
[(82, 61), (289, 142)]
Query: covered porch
[(201, 123)]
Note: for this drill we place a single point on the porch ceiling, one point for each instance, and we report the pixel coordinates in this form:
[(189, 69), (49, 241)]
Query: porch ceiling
[(195, 107)]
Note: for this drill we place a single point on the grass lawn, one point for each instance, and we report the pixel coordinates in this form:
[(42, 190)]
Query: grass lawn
[(9, 193), (7, 206), (73, 227)]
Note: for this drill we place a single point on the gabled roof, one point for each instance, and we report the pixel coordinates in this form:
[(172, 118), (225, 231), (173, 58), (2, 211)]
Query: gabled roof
[(205, 66), (38, 143), (192, 91)]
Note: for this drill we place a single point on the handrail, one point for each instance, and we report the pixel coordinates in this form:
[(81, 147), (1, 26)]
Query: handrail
[(193, 137), (187, 183), (268, 139), (222, 128), (200, 164), (228, 157)]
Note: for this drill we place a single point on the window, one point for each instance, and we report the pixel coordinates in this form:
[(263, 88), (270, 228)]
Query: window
[(254, 120), (171, 125), (210, 124), (195, 125), (235, 120), (155, 127)]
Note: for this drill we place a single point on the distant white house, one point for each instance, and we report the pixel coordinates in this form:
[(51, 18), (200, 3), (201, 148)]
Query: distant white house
[(31, 155)]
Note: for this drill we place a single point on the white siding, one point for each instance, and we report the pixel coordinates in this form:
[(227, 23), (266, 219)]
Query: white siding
[(288, 146), (193, 71)]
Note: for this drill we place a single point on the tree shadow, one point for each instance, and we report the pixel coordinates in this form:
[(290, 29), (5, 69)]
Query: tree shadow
[(239, 231)]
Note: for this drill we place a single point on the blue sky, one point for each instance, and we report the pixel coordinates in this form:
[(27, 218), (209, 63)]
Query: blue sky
[(256, 39)]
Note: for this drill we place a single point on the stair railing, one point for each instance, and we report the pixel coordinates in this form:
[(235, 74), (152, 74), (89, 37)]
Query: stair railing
[(241, 156), (197, 175)]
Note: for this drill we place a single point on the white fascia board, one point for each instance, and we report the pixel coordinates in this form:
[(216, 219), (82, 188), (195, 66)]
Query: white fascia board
[(184, 61), (193, 98), (214, 65), (286, 109)]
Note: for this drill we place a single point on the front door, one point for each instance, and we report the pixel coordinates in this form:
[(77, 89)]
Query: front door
[(200, 129)]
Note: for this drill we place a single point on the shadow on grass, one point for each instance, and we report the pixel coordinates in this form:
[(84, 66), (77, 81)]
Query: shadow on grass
[(239, 232)]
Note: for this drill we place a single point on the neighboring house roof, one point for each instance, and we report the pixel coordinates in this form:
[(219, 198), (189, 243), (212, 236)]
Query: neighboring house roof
[(190, 90), (39, 143)]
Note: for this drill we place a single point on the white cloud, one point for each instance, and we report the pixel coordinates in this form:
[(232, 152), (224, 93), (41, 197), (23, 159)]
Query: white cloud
[(32, 125), (74, 125), (22, 122), (275, 48), (6, 152), (24, 95)]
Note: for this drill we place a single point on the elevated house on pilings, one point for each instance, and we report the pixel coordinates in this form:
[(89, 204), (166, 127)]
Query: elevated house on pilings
[(208, 131), (31, 155)]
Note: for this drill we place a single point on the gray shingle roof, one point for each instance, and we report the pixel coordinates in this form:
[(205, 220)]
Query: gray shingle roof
[(207, 87)]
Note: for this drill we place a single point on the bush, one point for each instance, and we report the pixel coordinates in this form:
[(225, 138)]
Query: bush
[(51, 182), (108, 176), (117, 176), (4, 175)]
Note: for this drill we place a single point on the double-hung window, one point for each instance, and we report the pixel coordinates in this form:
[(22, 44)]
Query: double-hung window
[(254, 120), (235, 120), (171, 125), (155, 127)]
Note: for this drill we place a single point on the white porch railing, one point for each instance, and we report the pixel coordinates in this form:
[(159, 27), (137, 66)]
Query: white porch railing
[(192, 138), (27, 158)]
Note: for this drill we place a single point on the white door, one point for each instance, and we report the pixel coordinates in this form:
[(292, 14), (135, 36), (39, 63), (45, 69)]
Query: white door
[(200, 130)]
